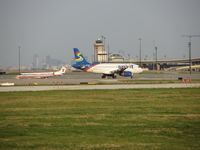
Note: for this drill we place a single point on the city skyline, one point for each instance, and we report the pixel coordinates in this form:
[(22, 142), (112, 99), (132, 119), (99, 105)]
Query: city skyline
[(49, 27), (37, 62)]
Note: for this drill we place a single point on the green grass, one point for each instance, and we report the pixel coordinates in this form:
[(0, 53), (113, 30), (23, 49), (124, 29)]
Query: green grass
[(101, 119)]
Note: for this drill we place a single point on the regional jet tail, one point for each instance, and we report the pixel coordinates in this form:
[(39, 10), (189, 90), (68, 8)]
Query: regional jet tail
[(43, 74), (107, 69)]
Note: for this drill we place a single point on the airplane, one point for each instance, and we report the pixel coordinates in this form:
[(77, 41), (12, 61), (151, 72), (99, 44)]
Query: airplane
[(107, 69), (42, 74)]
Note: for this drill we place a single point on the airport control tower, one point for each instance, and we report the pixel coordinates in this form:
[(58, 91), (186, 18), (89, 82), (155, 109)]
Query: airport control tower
[(100, 54)]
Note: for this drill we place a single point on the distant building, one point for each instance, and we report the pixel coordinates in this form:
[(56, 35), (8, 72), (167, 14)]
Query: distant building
[(116, 58), (36, 62), (50, 63), (100, 55), (48, 60)]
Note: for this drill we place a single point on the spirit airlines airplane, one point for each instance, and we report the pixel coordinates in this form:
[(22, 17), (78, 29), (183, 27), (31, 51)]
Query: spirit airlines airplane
[(107, 69), (43, 74)]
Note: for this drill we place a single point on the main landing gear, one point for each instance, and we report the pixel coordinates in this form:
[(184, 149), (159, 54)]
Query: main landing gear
[(108, 76)]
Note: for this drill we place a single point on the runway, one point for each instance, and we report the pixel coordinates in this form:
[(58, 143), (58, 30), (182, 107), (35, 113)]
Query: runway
[(96, 87), (90, 78), (89, 81)]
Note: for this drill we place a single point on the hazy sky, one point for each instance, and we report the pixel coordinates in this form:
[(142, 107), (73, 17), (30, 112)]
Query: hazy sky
[(55, 27)]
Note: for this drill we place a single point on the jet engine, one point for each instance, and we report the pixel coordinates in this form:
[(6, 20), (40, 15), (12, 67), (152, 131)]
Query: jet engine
[(126, 74)]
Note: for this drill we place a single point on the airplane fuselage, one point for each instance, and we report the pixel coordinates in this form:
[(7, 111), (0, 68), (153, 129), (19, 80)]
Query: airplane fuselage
[(37, 75), (42, 74), (104, 67)]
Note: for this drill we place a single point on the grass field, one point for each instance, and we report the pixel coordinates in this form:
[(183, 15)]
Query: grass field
[(101, 119)]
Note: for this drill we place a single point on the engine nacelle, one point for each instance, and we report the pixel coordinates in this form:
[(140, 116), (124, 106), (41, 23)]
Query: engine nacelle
[(126, 74)]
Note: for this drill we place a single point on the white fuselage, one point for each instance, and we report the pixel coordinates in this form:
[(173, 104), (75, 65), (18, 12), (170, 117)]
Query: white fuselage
[(42, 74), (110, 68)]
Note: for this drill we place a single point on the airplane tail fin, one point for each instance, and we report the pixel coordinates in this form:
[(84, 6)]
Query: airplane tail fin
[(62, 70), (79, 58)]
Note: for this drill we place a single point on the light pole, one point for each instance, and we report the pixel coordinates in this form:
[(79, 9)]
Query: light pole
[(190, 60), (108, 51), (190, 50), (104, 42), (140, 52), (19, 47), (156, 53)]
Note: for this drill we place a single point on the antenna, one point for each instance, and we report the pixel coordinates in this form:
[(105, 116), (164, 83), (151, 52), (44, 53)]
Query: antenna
[(190, 50)]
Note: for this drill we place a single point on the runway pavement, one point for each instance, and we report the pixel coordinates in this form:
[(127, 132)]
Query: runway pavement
[(89, 81), (93, 87), (91, 78)]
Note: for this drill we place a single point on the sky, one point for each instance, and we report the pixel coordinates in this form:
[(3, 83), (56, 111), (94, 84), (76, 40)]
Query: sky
[(55, 27)]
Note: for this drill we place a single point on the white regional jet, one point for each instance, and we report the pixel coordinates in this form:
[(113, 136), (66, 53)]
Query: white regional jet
[(107, 69), (42, 74)]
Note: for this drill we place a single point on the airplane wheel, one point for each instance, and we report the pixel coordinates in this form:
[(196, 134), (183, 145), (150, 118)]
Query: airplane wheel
[(114, 77), (103, 77)]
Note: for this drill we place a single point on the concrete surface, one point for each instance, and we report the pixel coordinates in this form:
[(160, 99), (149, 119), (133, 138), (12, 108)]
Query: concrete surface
[(93, 87)]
